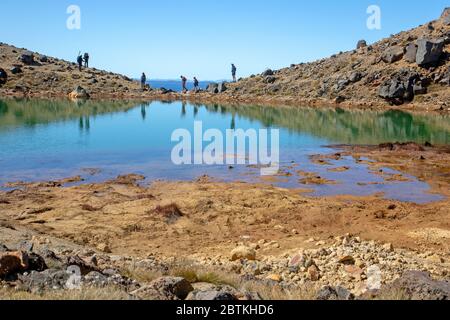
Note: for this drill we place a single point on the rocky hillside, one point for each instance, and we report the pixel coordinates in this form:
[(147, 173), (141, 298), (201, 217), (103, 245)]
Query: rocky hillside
[(409, 67), (23, 72)]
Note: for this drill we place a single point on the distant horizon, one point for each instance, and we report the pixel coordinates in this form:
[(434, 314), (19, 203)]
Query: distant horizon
[(202, 39)]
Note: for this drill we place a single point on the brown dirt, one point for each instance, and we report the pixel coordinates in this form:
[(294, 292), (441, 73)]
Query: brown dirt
[(206, 218)]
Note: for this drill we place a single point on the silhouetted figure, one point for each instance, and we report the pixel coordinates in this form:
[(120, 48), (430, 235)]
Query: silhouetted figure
[(183, 83), (196, 84), (86, 60), (143, 80), (80, 61), (233, 72)]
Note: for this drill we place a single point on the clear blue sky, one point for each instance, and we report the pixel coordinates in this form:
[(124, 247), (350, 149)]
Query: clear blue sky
[(202, 37)]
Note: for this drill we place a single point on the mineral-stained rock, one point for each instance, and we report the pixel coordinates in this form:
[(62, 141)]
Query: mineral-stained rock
[(50, 279), (79, 93), (429, 51), (13, 262)]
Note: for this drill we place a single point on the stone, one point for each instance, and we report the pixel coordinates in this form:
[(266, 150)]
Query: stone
[(429, 51), (297, 261), (3, 77), (79, 93), (445, 17), (274, 277), (16, 70), (267, 73), (243, 252), (83, 265), (400, 87), (213, 88), (420, 286), (43, 59), (330, 293), (36, 263), (355, 77), (211, 295), (222, 87), (13, 262), (313, 273), (361, 44), (388, 247), (103, 247), (49, 279), (392, 54), (27, 58), (177, 286), (346, 260), (270, 79), (410, 53)]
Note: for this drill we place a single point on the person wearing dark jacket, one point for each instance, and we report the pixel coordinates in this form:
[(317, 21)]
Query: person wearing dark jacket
[(143, 80), (233, 72), (80, 61), (183, 83), (86, 60), (196, 84)]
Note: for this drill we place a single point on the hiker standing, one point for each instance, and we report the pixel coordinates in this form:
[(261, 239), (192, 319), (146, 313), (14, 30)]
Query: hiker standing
[(196, 84), (233, 72), (86, 60), (143, 80), (80, 61), (183, 83)]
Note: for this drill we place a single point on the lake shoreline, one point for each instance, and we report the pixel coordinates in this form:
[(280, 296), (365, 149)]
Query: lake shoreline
[(208, 98)]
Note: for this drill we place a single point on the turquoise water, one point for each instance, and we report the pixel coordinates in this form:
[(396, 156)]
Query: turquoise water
[(45, 140)]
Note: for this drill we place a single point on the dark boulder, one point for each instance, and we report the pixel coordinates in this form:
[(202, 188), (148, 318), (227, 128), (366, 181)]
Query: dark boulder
[(270, 79), (43, 59), (392, 54), (400, 87), (3, 77), (338, 293), (361, 44), (429, 51), (418, 285), (355, 77), (266, 73), (411, 53), (16, 70), (27, 57)]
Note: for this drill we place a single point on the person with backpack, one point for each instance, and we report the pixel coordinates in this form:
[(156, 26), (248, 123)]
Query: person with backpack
[(183, 83), (80, 61), (86, 60), (196, 85), (143, 80), (233, 71)]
